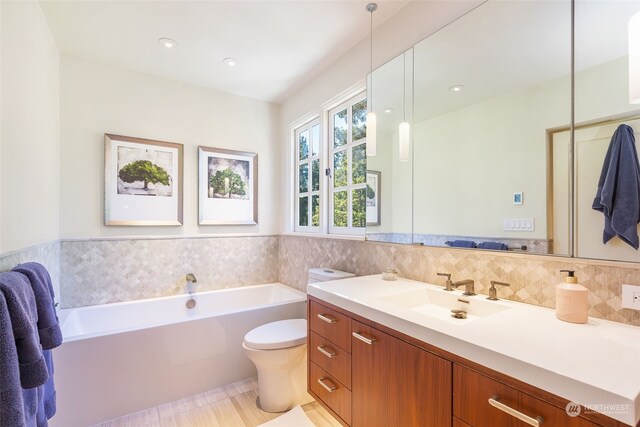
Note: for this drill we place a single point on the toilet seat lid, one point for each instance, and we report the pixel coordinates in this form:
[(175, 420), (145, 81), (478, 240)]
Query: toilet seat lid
[(275, 335)]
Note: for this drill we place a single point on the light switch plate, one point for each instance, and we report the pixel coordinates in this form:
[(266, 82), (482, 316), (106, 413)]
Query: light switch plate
[(631, 296), (518, 224)]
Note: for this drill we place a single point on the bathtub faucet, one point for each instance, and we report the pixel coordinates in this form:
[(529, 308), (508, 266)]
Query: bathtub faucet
[(191, 279)]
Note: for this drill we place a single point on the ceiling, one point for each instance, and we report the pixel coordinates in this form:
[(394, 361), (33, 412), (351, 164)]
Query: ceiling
[(279, 45), (500, 47)]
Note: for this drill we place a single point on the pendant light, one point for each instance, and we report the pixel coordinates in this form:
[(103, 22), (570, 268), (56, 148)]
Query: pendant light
[(371, 116), (403, 129), (634, 59)]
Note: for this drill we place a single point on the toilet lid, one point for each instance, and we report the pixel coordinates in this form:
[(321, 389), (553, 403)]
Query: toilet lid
[(275, 335)]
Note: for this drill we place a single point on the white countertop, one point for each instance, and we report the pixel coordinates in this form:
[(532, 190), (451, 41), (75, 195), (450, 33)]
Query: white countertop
[(594, 364)]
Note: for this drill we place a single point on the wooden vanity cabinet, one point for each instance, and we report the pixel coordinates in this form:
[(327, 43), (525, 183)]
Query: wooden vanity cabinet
[(381, 377), (389, 382)]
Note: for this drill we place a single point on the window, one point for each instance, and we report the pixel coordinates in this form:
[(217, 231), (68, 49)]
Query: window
[(307, 141), (347, 198), (331, 171)]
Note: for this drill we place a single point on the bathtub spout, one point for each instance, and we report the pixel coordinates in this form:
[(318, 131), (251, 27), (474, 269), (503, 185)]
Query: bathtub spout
[(191, 279)]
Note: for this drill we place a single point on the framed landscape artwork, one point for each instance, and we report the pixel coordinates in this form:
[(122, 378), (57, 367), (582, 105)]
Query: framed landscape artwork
[(227, 187), (143, 181), (373, 197)]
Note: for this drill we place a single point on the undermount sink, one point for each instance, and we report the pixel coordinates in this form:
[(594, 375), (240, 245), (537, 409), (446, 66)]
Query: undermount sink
[(439, 303)]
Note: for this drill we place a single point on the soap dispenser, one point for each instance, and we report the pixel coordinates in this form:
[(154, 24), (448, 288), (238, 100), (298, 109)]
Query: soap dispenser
[(572, 300)]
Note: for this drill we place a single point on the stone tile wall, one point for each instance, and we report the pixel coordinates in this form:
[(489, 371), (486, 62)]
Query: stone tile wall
[(532, 278), (105, 271), (47, 254)]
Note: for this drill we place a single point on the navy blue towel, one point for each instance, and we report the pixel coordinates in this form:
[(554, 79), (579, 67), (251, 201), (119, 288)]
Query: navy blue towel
[(24, 316), (463, 244), (48, 326), (618, 195), (11, 407), (496, 246)]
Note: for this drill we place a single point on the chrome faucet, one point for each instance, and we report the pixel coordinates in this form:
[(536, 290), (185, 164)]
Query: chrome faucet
[(469, 285), (191, 278), (448, 283)]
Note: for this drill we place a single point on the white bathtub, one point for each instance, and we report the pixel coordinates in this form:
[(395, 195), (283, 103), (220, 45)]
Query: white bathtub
[(124, 357)]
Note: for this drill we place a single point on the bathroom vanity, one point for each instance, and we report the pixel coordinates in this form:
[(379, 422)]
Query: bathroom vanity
[(389, 353)]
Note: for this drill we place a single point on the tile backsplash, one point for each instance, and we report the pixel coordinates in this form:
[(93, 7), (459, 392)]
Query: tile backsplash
[(89, 272), (532, 278), (105, 271)]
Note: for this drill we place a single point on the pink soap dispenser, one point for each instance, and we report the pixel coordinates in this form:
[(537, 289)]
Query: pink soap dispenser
[(572, 300)]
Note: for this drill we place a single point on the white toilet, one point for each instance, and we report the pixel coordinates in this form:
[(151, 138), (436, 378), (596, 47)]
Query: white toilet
[(279, 351)]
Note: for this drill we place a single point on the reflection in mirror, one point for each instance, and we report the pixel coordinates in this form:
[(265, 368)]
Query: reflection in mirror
[(389, 174), (603, 91), (490, 89)]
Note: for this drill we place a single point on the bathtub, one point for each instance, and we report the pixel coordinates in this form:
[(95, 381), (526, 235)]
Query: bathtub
[(124, 357)]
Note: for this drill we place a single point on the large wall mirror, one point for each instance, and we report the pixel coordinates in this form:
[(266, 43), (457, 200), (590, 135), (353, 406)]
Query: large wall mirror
[(389, 171), (491, 160)]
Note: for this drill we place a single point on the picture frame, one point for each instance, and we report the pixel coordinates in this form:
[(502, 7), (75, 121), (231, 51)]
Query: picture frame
[(143, 184), (227, 187), (373, 197)]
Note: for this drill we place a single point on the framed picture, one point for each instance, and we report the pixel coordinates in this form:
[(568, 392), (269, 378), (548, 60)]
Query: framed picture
[(373, 197), (142, 182), (227, 187)]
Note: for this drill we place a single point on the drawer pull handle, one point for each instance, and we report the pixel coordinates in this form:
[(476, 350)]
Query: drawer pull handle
[(329, 354), (326, 318), (330, 389), (493, 401), (362, 338)]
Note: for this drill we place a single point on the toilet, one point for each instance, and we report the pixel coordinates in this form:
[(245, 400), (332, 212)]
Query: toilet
[(279, 351)]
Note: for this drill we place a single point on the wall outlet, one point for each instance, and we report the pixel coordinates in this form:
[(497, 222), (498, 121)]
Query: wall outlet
[(631, 296)]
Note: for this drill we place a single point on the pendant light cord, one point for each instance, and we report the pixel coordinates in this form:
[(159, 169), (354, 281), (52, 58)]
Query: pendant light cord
[(371, 7), (371, 55), (404, 88)]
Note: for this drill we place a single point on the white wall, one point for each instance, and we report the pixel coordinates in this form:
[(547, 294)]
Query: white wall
[(29, 137), (99, 99), (413, 23)]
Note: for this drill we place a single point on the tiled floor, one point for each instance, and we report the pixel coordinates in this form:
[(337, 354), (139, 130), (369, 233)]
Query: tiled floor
[(228, 406)]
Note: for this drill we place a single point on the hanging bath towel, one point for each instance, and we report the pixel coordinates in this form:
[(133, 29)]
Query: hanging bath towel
[(618, 195)]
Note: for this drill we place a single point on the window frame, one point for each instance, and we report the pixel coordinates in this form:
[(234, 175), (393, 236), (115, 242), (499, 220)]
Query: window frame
[(308, 126), (321, 114), (348, 148)]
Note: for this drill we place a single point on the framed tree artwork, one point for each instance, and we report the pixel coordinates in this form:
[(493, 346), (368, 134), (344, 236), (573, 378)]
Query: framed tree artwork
[(373, 197), (143, 181), (227, 187)]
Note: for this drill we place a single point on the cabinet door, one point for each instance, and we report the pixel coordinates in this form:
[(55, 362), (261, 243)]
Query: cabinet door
[(371, 376), (422, 387)]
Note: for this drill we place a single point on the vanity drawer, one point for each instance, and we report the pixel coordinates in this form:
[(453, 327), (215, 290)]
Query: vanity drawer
[(471, 394), (331, 358), (330, 324), (339, 399)]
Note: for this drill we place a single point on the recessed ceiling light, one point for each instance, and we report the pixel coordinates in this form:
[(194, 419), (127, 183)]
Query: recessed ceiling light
[(231, 62), (388, 110), (456, 88), (167, 43)]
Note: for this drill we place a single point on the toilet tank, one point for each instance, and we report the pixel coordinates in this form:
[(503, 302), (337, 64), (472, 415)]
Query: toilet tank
[(326, 274)]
